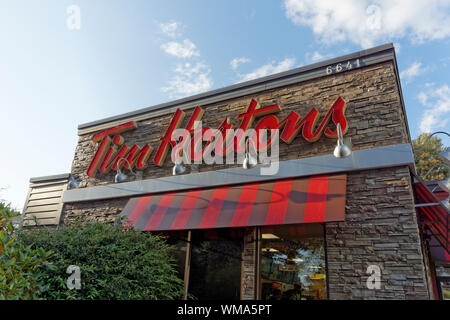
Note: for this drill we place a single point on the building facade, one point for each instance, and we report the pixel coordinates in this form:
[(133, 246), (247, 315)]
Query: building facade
[(318, 227)]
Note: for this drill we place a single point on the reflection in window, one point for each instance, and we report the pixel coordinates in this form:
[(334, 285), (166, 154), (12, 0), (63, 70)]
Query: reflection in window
[(216, 258), (293, 262)]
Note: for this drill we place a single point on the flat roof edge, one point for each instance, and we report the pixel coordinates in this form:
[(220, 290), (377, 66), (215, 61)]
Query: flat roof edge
[(240, 86), (62, 176)]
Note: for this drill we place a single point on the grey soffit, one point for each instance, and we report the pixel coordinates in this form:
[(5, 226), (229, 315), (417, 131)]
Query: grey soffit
[(381, 157), (367, 57)]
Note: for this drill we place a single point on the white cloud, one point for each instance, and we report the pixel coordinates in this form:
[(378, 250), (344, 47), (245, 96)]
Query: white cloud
[(317, 56), (186, 49), (268, 69), (170, 29), (237, 61), (367, 22), (437, 108), (189, 79), (414, 70), (423, 98)]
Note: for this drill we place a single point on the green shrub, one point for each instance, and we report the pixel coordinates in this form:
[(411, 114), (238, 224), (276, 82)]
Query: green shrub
[(20, 265), (115, 263)]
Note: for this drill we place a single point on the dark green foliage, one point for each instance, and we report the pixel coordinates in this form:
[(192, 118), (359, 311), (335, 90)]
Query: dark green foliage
[(115, 263), (20, 265)]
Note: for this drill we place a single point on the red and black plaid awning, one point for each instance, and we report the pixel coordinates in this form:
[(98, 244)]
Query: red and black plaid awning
[(291, 201), (433, 215)]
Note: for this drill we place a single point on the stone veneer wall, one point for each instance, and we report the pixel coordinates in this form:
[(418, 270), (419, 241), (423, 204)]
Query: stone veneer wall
[(248, 279), (374, 115), (380, 228), (105, 211)]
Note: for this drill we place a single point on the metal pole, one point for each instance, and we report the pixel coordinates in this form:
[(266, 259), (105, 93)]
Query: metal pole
[(187, 266)]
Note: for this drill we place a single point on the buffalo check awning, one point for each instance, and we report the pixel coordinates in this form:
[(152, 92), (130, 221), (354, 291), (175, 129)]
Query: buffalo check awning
[(433, 215), (290, 201)]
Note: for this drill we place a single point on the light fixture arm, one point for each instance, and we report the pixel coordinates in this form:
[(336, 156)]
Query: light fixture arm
[(129, 166), (431, 169), (429, 137), (340, 134)]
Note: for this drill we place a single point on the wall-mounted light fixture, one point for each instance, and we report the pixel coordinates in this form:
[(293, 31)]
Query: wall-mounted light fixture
[(342, 149), (73, 183), (120, 176), (249, 160), (178, 168)]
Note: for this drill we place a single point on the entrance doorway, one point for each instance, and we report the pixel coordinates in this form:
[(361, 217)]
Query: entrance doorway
[(293, 263)]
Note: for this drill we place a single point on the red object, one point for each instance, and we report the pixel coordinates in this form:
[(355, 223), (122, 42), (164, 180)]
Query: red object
[(112, 147), (115, 130), (163, 148), (435, 217), (257, 204)]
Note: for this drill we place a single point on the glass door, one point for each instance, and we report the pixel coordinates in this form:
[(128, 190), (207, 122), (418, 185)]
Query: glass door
[(292, 264)]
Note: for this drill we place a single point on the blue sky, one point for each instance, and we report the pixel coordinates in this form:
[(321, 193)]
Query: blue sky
[(128, 55)]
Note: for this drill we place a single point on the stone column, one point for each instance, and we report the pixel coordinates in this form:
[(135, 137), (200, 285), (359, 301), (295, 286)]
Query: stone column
[(248, 274), (381, 229)]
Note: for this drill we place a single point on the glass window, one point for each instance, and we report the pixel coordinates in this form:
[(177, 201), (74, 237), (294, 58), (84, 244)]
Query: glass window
[(216, 258), (444, 288), (293, 262), (179, 240)]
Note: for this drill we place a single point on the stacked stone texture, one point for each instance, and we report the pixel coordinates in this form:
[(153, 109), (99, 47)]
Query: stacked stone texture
[(380, 228)]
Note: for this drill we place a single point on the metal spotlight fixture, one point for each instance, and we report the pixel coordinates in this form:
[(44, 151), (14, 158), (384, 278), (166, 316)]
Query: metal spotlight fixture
[(73, 184), (178, 169), (249, 160), (342, 149), (120, 176)]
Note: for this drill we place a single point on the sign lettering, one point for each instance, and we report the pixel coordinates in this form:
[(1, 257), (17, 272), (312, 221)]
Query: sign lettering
[(111, 146)]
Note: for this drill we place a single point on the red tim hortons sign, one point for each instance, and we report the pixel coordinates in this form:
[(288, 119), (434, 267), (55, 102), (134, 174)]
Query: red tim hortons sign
[(112, 147)]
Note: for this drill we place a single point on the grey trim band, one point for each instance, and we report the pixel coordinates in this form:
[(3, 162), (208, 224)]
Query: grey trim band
[(367, 57), (63, 176), (359, 160)]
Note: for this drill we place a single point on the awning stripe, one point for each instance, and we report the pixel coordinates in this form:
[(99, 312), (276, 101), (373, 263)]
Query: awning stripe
[(199, 208), (244, 205), (435, 217), (159, 212), (172, 212), (260, 205), (289, 201), (139, 208), (147, 212), (186, 208), (213, 210), (316, 200), (229, 205), (297, 201), (129, 208), (278, 202)]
